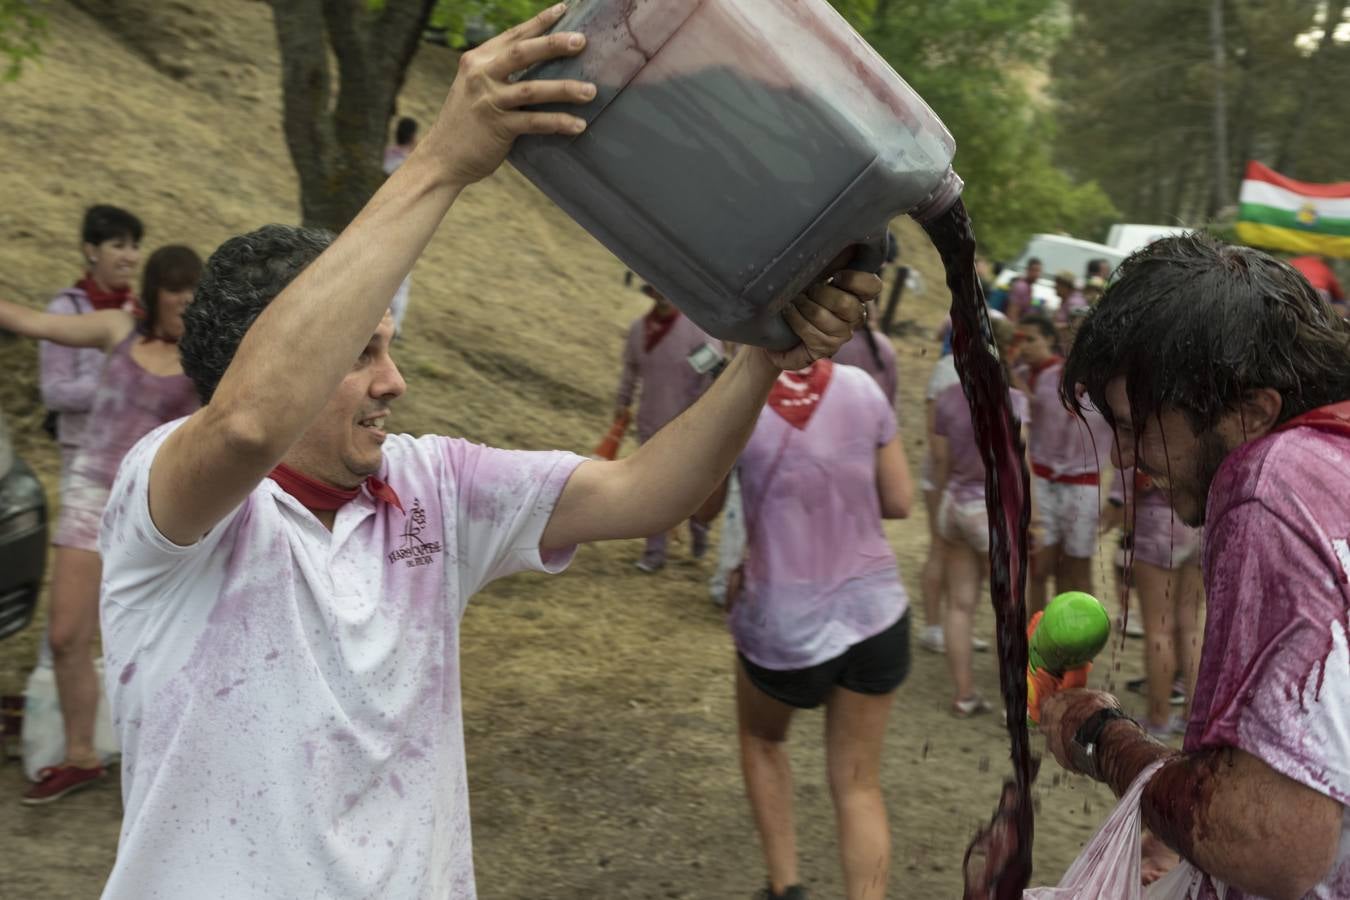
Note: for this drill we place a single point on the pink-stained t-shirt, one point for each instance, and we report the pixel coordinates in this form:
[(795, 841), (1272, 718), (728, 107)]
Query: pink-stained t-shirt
[(1075, 301), (1160, 538), (1020, 298), (1085, 446), (951, 419), (1275, 667), (881, 365), (668, 384), (820, 575), (1050, 420), (288, 699), (129, 403), (70, 374)]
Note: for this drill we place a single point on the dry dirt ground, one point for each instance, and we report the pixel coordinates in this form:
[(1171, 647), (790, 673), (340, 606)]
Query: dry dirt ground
[(598, 705)]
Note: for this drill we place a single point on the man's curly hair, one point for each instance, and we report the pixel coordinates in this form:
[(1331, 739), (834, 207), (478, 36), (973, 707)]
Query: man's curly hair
[(244, 275)]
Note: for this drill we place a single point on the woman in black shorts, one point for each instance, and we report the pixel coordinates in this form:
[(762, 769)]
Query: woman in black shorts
[(820, 615)]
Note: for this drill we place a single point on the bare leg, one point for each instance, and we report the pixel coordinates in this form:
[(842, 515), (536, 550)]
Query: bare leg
[(1157, 600), (763, 727), (855, 729), (73, 626), (1073, 574), (1044, 563), (934, 579), (965, 576)]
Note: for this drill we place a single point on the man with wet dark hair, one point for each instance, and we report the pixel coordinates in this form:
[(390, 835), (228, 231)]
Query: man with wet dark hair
[(284, 580), (1227, 380)]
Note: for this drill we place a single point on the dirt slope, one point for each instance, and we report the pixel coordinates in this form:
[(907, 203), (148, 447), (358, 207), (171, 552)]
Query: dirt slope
[(599, 721)]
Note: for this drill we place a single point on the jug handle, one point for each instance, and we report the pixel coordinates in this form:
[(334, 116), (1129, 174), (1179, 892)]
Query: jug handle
[(869, 256)]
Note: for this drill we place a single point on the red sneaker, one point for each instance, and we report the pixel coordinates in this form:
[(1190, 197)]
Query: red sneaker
[(57, 781)]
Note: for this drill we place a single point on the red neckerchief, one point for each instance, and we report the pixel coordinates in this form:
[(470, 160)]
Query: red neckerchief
[(316, 495), (654, 328), (1041, 367), (101, 299), (796, 395), (1334, 418)]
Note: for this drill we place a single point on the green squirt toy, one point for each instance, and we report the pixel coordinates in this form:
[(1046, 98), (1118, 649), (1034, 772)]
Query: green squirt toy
[(1062, 641)]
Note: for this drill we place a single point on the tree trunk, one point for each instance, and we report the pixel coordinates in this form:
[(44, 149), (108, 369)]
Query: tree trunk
[(336, 142), (879, 24), (1221, 193)]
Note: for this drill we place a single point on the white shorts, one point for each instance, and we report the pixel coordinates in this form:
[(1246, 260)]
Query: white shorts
[(964, 523), (82, 503), (1069, 516)]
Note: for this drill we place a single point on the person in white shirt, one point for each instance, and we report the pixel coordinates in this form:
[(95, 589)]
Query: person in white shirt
[(283, 581)]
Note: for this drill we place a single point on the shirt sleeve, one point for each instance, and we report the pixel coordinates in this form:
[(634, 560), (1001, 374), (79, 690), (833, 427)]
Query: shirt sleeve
[(134, 550), (69, 375), (1276, 670), (942, 414), (502, 502), (887, 427)]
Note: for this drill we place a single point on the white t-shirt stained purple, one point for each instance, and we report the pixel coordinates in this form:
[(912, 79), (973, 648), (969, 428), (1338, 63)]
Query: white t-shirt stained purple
[(820, 575), (1275, 667), (288, 699), (951, 419)]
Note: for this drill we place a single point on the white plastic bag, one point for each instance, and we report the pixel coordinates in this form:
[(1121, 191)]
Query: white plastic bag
[(44, 735), (1109, 867)]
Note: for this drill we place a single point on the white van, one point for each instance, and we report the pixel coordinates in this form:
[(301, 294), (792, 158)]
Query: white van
[(1129, 238), (1058, 253)]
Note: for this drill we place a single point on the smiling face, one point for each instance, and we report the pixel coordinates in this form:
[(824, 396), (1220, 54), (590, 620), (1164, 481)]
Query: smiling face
[(1179, 460), (344, 444), (113, 263)]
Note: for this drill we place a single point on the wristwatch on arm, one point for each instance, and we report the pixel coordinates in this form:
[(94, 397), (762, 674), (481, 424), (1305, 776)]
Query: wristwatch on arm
[(1083, 749)]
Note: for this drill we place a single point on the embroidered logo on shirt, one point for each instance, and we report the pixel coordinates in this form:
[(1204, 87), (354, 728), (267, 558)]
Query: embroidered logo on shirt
[(415, 551)]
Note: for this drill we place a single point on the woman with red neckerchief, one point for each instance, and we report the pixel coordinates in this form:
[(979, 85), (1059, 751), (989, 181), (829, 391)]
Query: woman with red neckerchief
[(141, 387), (819, 615), (111, 245)]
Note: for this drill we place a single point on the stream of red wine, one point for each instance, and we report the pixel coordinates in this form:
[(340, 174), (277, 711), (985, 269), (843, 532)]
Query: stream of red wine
[(998, 861)]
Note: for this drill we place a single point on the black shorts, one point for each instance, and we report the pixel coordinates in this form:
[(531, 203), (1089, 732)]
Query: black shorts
[(877, 665)]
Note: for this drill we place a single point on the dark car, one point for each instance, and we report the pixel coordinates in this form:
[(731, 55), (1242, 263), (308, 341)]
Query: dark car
[(23, 538)]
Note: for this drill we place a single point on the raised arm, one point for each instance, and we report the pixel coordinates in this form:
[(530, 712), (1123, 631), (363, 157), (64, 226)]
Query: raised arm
[(299, 349), (670, 476), (104, 329)]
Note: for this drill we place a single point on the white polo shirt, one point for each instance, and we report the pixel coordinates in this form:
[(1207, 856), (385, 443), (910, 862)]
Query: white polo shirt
[(288, 699)]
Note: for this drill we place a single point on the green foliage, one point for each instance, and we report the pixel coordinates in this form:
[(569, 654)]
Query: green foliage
[(1138, 83), (464, 21), (973, 61), (22, 28)]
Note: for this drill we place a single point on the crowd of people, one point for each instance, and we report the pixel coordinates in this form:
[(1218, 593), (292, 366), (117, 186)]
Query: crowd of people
[(110, 374), (279, 581)]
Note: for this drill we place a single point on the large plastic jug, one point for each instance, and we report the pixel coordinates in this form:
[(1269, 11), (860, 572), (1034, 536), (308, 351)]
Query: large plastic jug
[(736, 147)]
